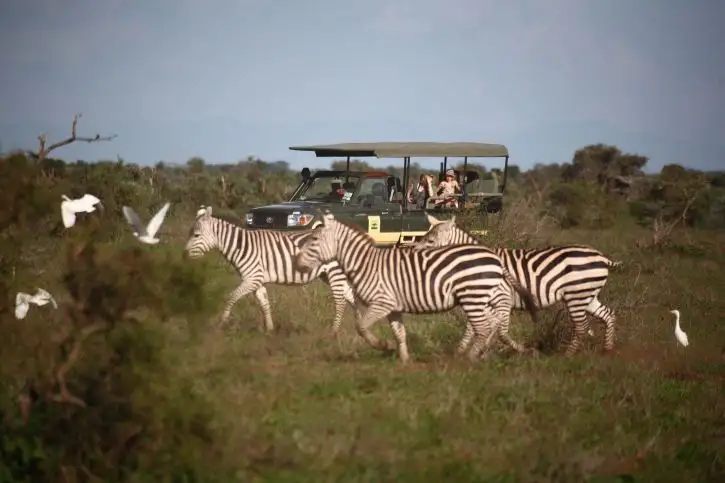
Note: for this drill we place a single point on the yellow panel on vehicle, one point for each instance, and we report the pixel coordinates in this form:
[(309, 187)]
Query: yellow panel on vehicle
[(373, 224), (391, 238)]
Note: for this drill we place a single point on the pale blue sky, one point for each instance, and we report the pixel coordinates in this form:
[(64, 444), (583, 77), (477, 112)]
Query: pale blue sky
[(224, 79)]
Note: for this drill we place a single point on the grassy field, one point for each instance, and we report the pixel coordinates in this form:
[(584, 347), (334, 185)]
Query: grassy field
[(297, 405)]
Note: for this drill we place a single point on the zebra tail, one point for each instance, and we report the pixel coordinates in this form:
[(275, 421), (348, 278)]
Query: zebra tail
[(524, 293), (615, 264)]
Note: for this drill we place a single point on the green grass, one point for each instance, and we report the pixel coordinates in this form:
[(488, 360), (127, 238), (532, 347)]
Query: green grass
[(302, 407), (297, 405)]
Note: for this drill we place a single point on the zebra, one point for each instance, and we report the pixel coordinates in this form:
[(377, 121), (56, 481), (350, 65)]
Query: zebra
[(572, 274), (391, 282), (262, 257)]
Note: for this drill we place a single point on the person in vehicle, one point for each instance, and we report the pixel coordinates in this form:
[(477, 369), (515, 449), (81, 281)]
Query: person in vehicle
[(336, 189), (419, 195), (446, 189), (378, 190)]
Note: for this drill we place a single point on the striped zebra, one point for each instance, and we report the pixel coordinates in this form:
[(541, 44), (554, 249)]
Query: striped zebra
[(573, 274), (391, 282), (262, 257)]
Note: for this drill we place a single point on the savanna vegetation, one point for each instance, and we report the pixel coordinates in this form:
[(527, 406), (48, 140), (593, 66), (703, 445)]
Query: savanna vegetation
[(129, 380)]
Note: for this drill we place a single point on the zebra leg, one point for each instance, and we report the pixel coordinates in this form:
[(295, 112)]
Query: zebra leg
[(396, 324), (346, 297), (578, 318), (484, 324), (368, 319), (263, 299), (466, 340), (503, 333), (245, 288), (606, 315)]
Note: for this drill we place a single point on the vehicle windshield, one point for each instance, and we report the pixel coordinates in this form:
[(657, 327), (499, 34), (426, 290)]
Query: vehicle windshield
[(328, 189)]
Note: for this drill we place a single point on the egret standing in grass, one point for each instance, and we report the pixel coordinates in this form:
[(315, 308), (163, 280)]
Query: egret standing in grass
[(680, 334), (146, 234), (69, 207)]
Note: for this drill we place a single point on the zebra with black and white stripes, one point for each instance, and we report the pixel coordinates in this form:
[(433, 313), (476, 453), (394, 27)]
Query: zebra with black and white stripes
[(391, 282), (261, 257), (572, 274)]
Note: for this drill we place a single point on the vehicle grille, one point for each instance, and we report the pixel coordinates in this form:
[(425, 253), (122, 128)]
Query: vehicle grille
[(269, 220)]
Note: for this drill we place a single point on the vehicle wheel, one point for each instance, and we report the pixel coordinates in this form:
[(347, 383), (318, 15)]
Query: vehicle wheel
[(493, 205)]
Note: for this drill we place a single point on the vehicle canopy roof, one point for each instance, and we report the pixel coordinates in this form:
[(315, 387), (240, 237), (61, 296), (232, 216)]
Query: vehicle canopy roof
[(407, 149), (340, 173)]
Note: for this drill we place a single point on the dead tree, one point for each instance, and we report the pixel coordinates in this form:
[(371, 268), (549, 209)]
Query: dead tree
[(44, 149)]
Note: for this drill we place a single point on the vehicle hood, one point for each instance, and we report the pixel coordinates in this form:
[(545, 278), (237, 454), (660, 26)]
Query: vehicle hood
[(292, 206)]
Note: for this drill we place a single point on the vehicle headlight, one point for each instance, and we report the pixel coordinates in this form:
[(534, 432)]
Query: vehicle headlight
[(297, 219), (249, 218)]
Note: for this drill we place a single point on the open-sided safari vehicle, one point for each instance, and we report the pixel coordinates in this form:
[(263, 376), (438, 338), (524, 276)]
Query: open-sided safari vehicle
[(377, 200)]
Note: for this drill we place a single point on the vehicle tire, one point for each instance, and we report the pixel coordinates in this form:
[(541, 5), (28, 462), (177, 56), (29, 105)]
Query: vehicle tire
[(492, 205)]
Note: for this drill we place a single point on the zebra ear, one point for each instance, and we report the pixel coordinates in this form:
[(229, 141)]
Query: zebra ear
[(432, 219), (452, 221), (208, 211), (326, 216), (320, 215)]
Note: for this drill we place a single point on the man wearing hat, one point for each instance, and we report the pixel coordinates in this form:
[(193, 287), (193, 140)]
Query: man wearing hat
[(448, 188)]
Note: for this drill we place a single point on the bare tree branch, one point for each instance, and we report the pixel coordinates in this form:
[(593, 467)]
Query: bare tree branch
[(64, 395), (662, 230), (44, 149)]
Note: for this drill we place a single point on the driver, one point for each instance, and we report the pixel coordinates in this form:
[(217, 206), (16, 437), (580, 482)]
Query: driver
[(336, 189)]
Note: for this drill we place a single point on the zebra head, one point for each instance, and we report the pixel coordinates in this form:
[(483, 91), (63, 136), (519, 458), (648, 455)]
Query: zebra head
[(318, 248), (201, 237), (441, 233)]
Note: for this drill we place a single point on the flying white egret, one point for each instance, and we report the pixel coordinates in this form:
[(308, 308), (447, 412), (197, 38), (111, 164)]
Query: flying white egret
[(146, 234), (69, 208), (679, 333), (23, 301)]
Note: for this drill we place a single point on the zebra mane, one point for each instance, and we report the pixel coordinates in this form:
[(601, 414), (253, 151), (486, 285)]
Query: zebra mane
[(234, 220), (223, 218), (466, 232), (358, 229)]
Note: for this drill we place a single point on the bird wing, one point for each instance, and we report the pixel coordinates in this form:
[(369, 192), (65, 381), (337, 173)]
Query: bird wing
[(157, 220), (43, 297), (21, 305), (90, 199), (69, 218), (86, 203), (133, 220)]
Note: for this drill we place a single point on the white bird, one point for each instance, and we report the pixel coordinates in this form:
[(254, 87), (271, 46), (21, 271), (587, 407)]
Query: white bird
[(679, 333), (69, 208), (23, 301), (146, 234)]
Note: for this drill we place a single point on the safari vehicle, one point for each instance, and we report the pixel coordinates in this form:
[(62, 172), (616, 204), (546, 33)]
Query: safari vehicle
[(377, 200)]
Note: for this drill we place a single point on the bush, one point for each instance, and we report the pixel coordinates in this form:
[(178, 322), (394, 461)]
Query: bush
[(582, 204), (90, 389)]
